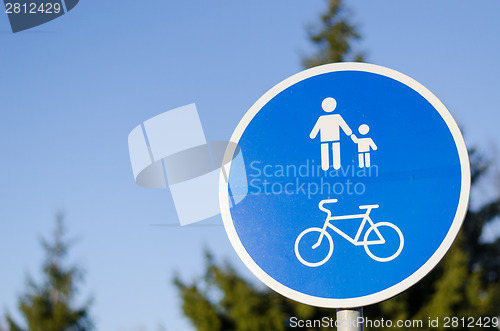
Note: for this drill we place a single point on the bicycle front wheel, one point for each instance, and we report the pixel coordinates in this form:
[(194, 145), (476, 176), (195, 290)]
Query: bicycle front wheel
[(313, 255), (389, 244)]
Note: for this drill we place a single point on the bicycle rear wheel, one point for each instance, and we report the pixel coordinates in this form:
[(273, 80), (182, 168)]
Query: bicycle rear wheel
[(389, 249), (313, 257)]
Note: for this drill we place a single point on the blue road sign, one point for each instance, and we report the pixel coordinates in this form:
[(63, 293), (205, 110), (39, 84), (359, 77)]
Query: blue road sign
[(358, 183)]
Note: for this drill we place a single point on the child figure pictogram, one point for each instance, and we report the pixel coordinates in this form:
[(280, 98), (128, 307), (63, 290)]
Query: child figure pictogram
[(364, 145)]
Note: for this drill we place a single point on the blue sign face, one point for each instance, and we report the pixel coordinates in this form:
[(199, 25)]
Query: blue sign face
[(358, 183)]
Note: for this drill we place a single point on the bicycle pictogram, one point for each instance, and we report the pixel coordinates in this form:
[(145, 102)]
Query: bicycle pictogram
[(322, 233)]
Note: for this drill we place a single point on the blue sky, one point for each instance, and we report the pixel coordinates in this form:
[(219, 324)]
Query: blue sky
[(72, 89)]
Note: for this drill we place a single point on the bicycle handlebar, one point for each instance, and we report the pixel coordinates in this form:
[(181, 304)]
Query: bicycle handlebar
[(329, 212), (322, 202)]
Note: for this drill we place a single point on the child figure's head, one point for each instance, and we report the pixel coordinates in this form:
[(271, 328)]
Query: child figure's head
[(363, 129)]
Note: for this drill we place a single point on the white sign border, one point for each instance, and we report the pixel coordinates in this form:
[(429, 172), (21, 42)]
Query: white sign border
[(407, 282)]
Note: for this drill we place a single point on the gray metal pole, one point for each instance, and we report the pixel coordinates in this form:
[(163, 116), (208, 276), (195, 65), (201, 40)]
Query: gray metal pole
[(350, 319)]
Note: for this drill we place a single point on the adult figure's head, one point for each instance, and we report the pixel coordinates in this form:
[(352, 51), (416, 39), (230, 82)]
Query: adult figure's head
[(329, 105)]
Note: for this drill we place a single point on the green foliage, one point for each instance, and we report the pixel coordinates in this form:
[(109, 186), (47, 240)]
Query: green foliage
[(50, 306), (334, 37), (466, 283), (223, 300), (459, 286)]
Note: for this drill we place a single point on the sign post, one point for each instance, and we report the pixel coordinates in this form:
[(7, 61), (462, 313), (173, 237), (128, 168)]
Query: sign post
[(349, 319), (358, 183)]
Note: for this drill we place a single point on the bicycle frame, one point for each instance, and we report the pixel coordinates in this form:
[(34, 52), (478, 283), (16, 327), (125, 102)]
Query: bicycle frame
[(355, 241)]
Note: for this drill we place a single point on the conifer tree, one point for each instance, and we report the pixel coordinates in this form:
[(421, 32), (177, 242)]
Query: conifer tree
[(334, 37), (466, 283), (50, 306)]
